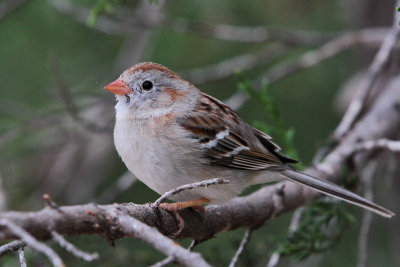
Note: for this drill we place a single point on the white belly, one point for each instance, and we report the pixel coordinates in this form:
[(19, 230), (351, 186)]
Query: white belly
[(164, 164), (141, 155)]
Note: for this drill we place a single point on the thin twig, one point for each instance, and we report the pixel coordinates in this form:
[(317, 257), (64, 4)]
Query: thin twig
[(49, 202), (68, 246), (390, 145), (324, 52), (12, 246), (358, 104), (294, 224), (192, 245), (204, 183), (150, 235), (70, 106), (21, 257), (296, 218), (247, 34), (171, 259), (242, 245), (229, 66), (32, 242), (367, 177), (310, 59), (121, 21), (274, 259), (163, 262)]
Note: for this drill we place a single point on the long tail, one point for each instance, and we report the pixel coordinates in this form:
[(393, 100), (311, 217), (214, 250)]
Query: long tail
[(336, 191)]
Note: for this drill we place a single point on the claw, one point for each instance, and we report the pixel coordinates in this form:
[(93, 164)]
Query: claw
[(175, 207)]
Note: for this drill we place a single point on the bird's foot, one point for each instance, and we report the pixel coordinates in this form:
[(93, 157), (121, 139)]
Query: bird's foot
[(175, 207)]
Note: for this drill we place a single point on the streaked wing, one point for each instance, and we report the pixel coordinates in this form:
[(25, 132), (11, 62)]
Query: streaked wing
[(266, 141), (227, 140)]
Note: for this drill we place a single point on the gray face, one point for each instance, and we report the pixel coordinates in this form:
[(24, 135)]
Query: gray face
[(153, 92), (146, 87)]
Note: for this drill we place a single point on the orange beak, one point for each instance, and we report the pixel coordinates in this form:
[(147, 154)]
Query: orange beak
[(118, 87)]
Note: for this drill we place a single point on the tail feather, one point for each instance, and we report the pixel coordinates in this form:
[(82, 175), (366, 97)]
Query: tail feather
[(336, 191)]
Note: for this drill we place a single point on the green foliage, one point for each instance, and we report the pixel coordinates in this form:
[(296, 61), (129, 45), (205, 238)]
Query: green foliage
[(398, 10), (320, 228), (101, 6), (276, 128)]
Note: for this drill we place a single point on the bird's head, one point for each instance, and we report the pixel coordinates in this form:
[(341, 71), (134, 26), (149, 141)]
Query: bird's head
[(150, 90)]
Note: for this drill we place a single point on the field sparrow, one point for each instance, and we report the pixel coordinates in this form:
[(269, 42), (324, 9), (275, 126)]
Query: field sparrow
[(169, 133)]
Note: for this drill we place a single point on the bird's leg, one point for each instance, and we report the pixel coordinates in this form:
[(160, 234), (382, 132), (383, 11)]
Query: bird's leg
[(175, 207), (184, 204)]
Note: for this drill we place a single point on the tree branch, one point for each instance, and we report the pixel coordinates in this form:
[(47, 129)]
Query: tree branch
[(312, 58), (171, 259), (391, 145), (137, 229), (239, 251), (227, 67), (358, 103), (121, 21), (12, 246), (21, 257), (296, 217), (72, 249), (21, 233)]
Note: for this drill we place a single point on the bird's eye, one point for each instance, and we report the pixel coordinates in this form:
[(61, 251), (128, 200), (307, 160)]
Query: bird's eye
[(147, 85)]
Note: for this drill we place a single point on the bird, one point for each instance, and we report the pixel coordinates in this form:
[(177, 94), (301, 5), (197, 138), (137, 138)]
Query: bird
[(169, 133)]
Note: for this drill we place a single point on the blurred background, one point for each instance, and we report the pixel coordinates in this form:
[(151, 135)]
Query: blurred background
[(56, 120)]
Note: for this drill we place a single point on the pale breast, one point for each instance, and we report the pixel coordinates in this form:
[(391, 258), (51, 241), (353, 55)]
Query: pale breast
[(135, 145), (150, 151), (164, 160)]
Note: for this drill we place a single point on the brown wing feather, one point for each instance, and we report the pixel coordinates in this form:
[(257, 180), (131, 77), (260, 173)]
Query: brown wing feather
[(266, 140), (227, 140)]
